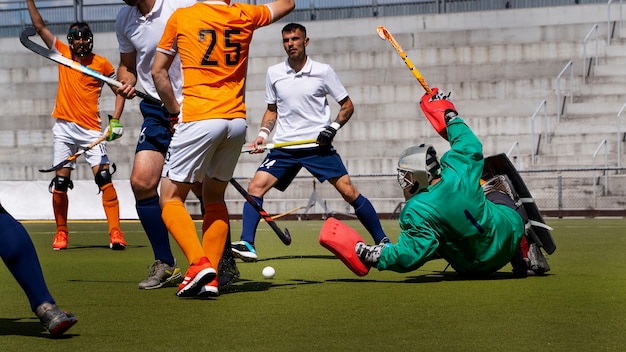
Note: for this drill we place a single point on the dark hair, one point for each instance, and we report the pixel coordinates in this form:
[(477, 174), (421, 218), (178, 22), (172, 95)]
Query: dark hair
[(291, 27), (79, 25)]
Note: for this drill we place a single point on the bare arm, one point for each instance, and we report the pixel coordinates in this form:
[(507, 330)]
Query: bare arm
[(39, 24), (281, 8), (345, 111), (127, 74), (162, 83), (267, 125)]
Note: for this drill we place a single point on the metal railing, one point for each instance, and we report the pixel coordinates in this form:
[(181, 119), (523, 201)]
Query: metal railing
[(560, 107), (534, 145), (587, 70), (603, 145)]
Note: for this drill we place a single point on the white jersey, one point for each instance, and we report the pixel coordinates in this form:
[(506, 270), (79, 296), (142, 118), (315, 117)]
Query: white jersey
[(300, 97), (136, 32)]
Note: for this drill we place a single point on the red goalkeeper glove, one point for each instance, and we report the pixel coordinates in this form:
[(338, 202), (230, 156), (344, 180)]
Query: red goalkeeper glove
[(438, 110)]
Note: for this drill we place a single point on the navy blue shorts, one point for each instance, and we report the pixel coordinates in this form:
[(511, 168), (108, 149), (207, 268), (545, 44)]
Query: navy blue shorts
[(322, 162), (155, 130)]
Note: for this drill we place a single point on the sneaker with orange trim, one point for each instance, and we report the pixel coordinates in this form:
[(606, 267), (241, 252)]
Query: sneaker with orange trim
[(60, 240), (209, 290), (116, 240), (196, 277)]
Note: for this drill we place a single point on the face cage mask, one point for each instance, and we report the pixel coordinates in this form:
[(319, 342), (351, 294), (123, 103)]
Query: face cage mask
[(86, 35), (405, 179)]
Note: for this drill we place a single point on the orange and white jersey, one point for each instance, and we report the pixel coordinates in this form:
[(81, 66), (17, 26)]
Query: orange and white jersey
[(213, 40), (78, 95)]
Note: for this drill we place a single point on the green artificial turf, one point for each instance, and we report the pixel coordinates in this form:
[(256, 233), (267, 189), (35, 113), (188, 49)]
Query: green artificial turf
[(314, 303)]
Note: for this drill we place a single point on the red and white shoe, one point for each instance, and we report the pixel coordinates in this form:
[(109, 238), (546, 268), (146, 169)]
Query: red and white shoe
[(209, 290), (60, 240), (196, 277), (116, 240)]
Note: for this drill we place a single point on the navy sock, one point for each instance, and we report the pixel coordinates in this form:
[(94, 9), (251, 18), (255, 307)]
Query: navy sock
[(366, 214), (250, 220), (19, 255), (149, 211)]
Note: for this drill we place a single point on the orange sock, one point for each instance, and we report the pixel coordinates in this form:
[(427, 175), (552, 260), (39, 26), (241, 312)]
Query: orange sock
[(181, 226), (59, 206), (111, 206), (214, 230)]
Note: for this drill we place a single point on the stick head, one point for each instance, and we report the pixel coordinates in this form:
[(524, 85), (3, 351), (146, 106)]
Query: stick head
[(383, 33)]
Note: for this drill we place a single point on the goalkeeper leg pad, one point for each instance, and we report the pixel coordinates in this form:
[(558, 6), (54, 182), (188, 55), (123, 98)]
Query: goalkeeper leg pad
[(341, 240)]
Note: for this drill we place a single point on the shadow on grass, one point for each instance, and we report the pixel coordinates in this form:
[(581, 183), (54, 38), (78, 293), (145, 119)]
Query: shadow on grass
[(282, 257), (256, 286), (81, 247), (439, 276), (30, 327)]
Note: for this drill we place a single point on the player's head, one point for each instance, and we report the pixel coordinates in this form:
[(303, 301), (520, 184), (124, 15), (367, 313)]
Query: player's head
[(417, 167), (295, 40), (80, 39)]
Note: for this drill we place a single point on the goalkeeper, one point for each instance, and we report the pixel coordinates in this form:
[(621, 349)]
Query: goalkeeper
[(478, 230)]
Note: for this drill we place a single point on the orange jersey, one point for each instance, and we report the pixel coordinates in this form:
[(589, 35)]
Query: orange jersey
[(213, 42), (78, 95)]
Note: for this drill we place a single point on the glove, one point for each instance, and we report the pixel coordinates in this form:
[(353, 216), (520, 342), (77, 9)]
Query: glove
[(173, 118), (438, 110), (326, 136), (116, 130)]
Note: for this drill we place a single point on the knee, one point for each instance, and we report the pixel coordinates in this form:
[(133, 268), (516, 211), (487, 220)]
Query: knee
[(103, 178), (60, 184)]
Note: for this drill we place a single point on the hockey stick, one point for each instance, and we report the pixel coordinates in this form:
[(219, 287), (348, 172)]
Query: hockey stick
[(284, 236), (77, 154), (270, 146), (286, 213), (384, 34), (62, 60)]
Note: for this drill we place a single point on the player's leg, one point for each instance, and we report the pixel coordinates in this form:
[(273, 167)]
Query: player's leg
[(19, 255), (60, 203), (62, 149), (222, 157), (244, 249), (192, 153), (152, 145), (363, 208), (327, 165), (111, 205), (215, 226)]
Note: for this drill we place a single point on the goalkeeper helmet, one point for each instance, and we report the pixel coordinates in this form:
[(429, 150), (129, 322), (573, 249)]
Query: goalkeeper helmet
[(417, 167), (80, 30)]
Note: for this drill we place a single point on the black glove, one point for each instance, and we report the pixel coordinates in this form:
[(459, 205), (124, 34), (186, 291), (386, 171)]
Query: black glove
[(326, 136)]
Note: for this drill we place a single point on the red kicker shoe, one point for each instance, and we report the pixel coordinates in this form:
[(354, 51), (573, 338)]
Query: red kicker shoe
[(196, 277)]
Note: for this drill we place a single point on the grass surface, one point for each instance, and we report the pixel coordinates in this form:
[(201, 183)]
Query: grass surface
[(314, 303)]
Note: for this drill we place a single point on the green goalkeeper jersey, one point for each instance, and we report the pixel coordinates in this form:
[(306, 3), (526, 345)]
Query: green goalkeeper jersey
[(453, 217)]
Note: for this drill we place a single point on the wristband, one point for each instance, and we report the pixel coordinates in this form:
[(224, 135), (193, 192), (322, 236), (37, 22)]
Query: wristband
[(263, 134), (335, 125), (267, 130)]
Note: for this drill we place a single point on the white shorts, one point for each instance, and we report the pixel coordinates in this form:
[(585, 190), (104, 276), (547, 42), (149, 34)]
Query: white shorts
[(208, 147), (69, 137)]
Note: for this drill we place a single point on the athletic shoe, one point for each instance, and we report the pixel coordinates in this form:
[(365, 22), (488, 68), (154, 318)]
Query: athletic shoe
[(161, 274), (209, 290), (228, 273), (369, 254), (244, 251), (54, 319), (116, 238), (196, 276), (538, 263), (60, 240), (386, 241)]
